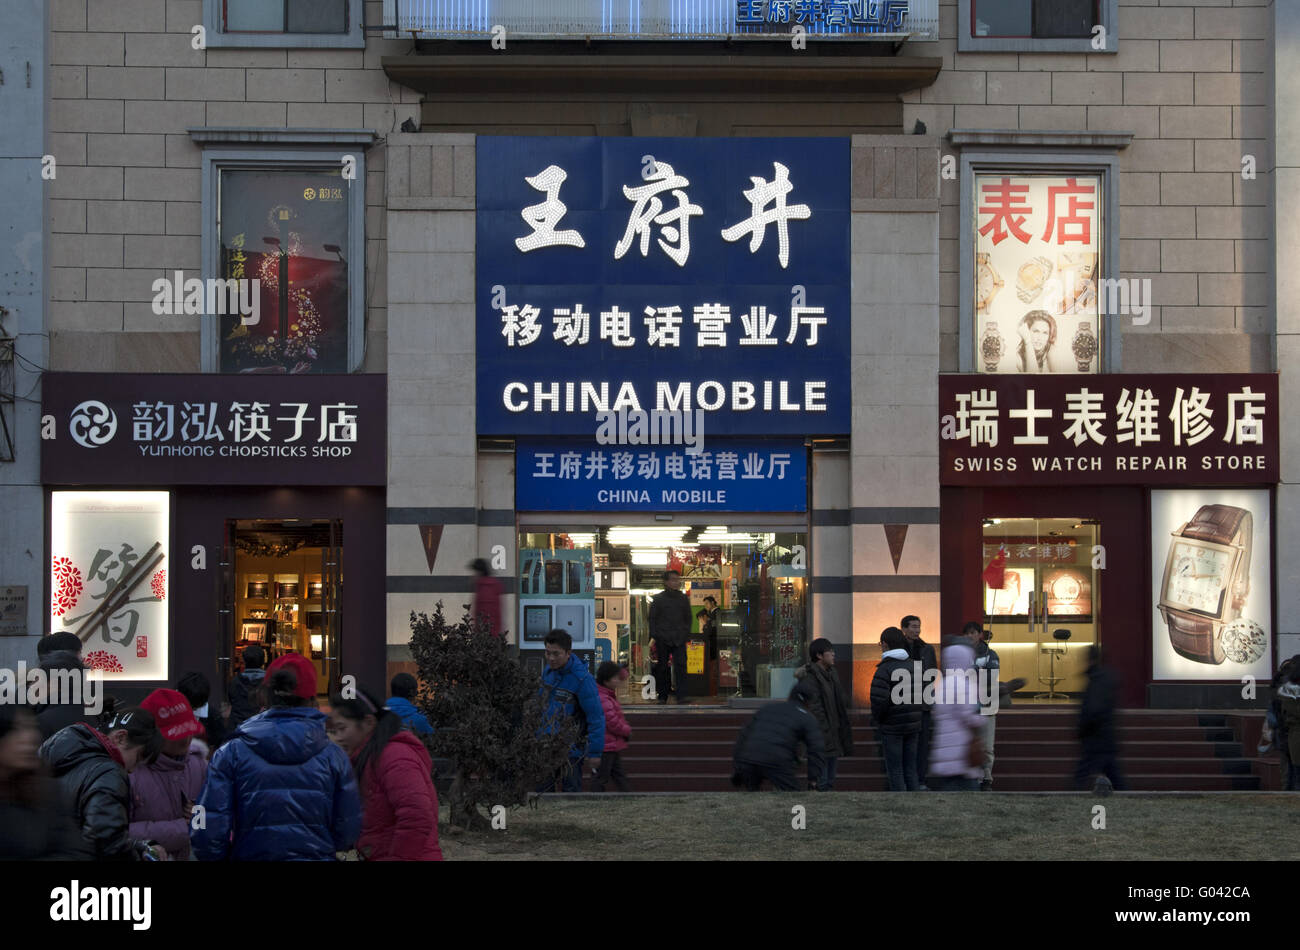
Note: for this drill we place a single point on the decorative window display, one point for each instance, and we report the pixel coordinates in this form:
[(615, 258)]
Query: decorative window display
[(288, 229), (1038, 245), (108, 579), (1211, 588)]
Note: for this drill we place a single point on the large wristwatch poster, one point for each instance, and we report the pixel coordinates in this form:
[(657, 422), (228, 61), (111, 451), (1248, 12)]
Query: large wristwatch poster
[(1211, 590), (1038, 243)]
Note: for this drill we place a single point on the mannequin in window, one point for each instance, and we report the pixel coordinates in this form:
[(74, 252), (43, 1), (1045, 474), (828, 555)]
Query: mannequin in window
[(1037, 336)]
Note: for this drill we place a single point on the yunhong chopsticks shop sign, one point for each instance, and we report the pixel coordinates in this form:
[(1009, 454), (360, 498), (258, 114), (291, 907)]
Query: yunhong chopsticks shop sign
[(1167, 429), (682, 275), (160, 429)]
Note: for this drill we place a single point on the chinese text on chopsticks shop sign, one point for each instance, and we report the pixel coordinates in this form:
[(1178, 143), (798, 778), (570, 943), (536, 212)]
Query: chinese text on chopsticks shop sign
[(1113, 429), (663, 275)]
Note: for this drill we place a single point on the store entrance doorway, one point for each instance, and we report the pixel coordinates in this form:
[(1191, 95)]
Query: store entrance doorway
[(283, 586), (1042, 602)]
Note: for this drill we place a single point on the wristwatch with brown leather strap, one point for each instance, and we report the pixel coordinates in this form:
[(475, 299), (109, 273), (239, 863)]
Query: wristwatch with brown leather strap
[(1206, 580)]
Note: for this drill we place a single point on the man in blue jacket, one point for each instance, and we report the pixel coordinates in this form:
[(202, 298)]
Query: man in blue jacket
[(570, 690)]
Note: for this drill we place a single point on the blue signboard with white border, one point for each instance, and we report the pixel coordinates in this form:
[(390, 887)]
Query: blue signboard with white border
[(663, 274), (730, 475)]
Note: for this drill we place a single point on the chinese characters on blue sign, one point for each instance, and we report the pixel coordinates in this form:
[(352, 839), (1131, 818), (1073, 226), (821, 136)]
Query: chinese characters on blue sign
[(748, 475), (821, 16), (663, 274)]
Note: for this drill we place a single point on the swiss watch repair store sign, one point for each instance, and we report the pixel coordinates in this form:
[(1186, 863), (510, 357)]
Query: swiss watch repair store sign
[(681, 275)]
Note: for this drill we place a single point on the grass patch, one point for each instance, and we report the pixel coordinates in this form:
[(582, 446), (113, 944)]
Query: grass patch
[(919, 827)]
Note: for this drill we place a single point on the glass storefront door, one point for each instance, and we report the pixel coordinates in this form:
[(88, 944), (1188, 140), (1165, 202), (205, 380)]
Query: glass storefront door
[(748, 587), (1045, 613)]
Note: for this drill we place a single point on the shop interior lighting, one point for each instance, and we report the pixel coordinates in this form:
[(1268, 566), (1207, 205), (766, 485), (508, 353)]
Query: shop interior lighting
[(646, 535), (582, 539), (650, 557), (718, 534)]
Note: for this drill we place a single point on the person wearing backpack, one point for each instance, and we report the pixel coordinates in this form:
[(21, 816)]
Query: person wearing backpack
[(569, 690)]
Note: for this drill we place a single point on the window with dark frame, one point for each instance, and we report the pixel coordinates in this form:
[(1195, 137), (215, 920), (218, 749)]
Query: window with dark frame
[(285, 16), (288, 229), (1034, 19)]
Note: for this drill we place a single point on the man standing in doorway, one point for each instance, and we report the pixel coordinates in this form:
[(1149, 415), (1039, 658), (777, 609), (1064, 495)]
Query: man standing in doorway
[(918, 649), (670, 628)]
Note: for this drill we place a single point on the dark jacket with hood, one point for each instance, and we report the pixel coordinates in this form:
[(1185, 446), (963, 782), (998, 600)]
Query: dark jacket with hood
[(771, 737), (671, 617), (240, 694), (279, 790), (891, 718), (93, 781), (825, 700)]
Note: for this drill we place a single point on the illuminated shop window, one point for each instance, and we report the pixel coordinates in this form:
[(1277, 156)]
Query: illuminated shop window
[(109, 578)]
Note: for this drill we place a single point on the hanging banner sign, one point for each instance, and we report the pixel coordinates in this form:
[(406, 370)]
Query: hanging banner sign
[(705, 277)]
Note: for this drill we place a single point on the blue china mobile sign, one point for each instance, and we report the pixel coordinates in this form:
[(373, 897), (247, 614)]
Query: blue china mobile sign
[(729, 475), (683, 275)]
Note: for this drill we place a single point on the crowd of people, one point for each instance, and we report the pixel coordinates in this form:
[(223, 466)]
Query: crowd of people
[(269, 776)]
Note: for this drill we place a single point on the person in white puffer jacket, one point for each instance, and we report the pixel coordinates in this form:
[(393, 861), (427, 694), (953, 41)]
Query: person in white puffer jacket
[(956, 721)]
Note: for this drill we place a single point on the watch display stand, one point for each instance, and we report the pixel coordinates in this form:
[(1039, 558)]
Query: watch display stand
[(1051, 679)]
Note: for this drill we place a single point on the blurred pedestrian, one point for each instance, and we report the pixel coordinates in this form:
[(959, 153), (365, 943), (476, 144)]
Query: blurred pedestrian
[(570, 692), (34, 825), (399, 805), (163, 792), (768, 745), (404, 688), (1097, 729), (486, 608), (896, 716), (987, 667), (956, 722), (617, 730), (825, 699), (243, 691), (92, 770), (1289, 705), (280, 790), (918, 649)]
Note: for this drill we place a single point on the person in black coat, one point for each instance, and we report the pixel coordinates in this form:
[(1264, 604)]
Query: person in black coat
[(196, 689), (1097, 728), (243, 689), (896, 717), (670, 627), (33, 825), (92, 768), (55, 716), (824, 697), (918, 649), (768, 745)]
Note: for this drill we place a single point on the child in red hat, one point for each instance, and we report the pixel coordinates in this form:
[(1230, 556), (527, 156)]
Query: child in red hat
[(163, 793)]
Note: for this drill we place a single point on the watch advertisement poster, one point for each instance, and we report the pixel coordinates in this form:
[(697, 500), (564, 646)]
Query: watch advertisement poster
[(1210, 585), (1012, 600), (1037, 253)]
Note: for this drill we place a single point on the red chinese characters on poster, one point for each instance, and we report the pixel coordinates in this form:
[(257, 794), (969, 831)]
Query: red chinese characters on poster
[(1037, 257)]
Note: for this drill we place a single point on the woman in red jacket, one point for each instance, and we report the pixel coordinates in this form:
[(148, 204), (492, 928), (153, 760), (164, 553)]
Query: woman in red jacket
[(617, 730), (398, 802)]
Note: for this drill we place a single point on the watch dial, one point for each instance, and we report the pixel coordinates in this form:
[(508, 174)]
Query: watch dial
[(1197, 576), (1244, 641), (1066, 588)]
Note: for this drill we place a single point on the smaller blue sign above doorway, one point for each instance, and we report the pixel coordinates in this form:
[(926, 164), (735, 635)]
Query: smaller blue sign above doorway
[(736, 475)]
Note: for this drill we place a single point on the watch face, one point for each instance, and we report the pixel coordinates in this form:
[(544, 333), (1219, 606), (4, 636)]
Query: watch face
[(1197, 576), (1244, 641), (991, 345), (1084, 344), (1066, 588)]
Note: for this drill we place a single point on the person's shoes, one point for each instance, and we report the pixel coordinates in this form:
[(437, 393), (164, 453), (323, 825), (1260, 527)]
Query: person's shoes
[(923, 788), (662, 701), (1103, 786), (986, 785), (1264, 748)]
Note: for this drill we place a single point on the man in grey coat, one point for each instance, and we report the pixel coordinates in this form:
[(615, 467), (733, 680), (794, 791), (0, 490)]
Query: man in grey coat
[(826, 701)]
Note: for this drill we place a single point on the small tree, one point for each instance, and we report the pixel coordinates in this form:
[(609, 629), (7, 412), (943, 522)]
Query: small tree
[(488, 713)]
